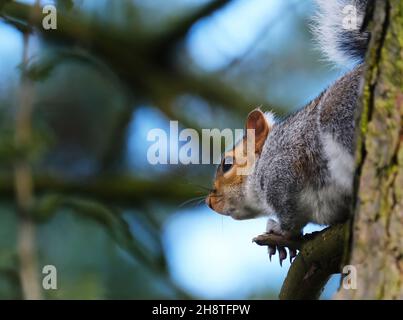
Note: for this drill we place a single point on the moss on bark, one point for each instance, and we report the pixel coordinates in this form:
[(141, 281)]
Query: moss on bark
[(377, 239)]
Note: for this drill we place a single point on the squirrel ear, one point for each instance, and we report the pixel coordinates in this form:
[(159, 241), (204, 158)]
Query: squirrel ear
[(257, 120)]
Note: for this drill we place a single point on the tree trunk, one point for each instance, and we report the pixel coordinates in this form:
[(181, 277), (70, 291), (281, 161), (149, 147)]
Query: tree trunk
[(377, 239)]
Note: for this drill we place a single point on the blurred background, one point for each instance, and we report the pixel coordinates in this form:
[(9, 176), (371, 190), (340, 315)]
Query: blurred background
[(76, 105)]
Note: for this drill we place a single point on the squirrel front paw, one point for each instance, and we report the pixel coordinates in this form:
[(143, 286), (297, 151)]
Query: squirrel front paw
[(280, 240)]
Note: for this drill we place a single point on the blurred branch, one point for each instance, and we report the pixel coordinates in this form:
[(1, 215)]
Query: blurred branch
[(3, 2), (116, 189), (136, 60), (23, 186), (319, 257), (172, 37)]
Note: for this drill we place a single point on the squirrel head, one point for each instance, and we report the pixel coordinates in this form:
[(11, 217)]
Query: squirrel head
[(230, 195)]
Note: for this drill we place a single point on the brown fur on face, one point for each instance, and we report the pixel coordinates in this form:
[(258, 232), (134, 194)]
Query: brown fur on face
[(226, 183), (228, 195)]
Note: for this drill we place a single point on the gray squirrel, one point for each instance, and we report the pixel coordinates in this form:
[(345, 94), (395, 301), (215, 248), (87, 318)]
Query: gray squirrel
[(304, 165)]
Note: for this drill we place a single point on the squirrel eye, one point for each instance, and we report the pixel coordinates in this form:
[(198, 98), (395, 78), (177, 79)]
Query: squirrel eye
[(227, 164)]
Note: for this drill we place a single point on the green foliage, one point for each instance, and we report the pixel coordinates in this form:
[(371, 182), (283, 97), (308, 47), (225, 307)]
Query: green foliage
[(65, 4), (9, 277), (35, 150), (108, 218), (41, 67)]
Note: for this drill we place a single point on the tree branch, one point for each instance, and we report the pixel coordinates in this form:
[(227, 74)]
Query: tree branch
[(319, 257), (24, 190)]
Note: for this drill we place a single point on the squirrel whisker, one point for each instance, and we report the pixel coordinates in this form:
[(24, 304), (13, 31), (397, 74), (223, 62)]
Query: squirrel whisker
[(193, 200)]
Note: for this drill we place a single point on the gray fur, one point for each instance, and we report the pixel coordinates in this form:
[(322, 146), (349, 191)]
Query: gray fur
[(293, 175), (305, 172)]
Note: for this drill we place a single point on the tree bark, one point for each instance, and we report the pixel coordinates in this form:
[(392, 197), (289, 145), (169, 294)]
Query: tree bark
[(377, 233)]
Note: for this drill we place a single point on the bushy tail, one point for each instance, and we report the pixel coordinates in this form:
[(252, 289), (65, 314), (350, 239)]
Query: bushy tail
[(338, 27)]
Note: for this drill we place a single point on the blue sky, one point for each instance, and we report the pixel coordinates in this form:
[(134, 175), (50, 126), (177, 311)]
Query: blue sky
[(213, 257), (218, 39)]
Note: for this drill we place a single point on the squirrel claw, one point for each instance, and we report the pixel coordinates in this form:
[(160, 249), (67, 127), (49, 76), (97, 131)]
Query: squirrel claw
[(272, 251), (282, 254), (276, 242), (293, 254)]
